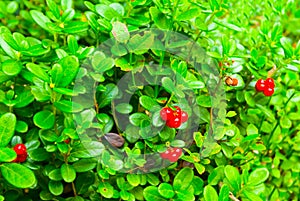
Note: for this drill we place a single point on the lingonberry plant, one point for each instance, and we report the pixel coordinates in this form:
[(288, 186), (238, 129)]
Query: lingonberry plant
[(149, 100)]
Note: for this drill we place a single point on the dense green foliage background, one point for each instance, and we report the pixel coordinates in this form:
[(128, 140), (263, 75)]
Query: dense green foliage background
[(48, 45)]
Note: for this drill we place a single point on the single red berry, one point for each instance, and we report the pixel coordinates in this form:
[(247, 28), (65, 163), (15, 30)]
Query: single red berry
[(20, 149), (67, 141), (174, 122), (166, 113), (260, 85), (184, 116), (270, 83), (269, 91)]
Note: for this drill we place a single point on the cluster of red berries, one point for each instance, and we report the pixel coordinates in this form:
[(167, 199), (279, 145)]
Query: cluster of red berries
[(21, 152), (171, 154), (265, 86), (173, 118)]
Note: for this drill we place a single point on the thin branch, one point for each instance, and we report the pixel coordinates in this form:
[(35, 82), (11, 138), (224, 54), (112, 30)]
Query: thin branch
[(232, 197)]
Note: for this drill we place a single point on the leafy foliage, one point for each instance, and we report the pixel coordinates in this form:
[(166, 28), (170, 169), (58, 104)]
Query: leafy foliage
[(72, 89)]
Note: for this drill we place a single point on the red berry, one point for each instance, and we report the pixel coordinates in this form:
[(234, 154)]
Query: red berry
[(174, 122), (67, 141), (260, 85), (184, 116), (166, 113), (20, 149), (21, 158), (270, 83), (269, 91)]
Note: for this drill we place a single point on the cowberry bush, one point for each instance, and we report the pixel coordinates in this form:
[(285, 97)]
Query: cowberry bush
[(149, 100)]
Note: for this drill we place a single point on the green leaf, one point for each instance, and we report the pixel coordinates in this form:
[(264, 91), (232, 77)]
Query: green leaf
[(75, 27), (84, 165), (210, 193), (24, 99), (133, 179), (84, 181), (11, 67), (168, 84), (66, 4), (105, 65), (72, 44), (166, 190), (196, 84), (216, 175), (229, 26), (55, 187), (136, 119), (268, 112), (286, 45), (285, 122), (7, 127), (106, 11), (120, 32), (68, 172), (251, 195), (70, 67), (44, 119), (55, 175), (185, 195), (251, 129), (141, 44), (258, 176), (124, 108), (18, 175), (7, 154), (183, 179), (151, 193), (224, 193), (12, 7), (160, 20), (38, 71), (106, 189), (40, 19), (68, 106), (107, 96), (81, 151), (233, 176), (39, 154), (148, 103), (188, 15), (35, 51)]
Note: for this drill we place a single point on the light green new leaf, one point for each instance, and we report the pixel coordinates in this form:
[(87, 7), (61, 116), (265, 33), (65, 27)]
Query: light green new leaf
[(18, 175), (7, 128)]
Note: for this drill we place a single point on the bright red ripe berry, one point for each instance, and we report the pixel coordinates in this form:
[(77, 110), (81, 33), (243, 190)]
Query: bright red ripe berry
[(184, 116), (174, 122), (269, 91), (20, 149), (260, 85), (166, 113), (270, 83)]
